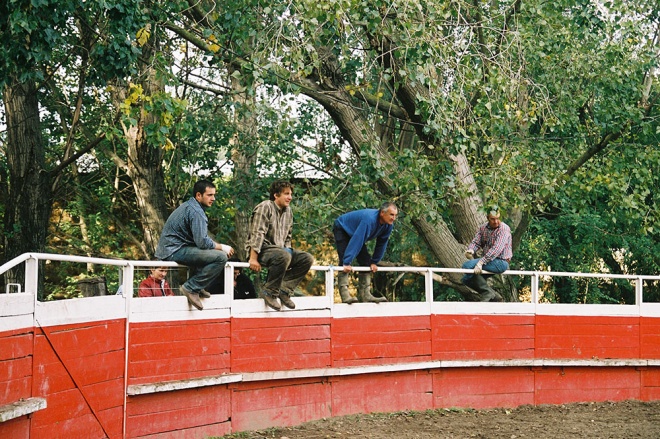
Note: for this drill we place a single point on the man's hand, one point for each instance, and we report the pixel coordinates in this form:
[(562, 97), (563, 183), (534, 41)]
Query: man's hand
[(478, 267), (469, 254), (255, 265), (347, 268), (227, 249), (374, 267)]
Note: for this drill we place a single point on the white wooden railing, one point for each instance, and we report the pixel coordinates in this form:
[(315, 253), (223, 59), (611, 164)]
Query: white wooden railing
[(128, 269)]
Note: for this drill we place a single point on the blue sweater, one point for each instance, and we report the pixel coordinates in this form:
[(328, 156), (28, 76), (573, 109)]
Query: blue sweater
[(362, 226)]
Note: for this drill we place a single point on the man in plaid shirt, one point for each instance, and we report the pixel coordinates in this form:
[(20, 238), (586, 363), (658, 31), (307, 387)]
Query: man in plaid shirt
[(269, 245), (494, 239)]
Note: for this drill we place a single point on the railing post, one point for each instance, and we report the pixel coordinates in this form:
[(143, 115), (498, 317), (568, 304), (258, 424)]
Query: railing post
[(32, 279), (330, 285), (428, 285), (639, 291), (535, 288)]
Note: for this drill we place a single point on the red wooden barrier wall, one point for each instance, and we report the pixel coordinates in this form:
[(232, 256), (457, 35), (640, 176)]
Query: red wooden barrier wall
[(332, 366)]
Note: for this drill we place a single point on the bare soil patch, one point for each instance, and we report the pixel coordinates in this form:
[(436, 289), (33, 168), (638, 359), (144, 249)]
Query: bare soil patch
[(620, 420)]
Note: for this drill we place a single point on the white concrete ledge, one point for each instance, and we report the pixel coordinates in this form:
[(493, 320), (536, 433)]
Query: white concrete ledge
[(167, 386), (440, 364), (21, 408)]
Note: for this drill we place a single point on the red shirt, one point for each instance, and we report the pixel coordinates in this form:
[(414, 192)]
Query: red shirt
[(150, 287)]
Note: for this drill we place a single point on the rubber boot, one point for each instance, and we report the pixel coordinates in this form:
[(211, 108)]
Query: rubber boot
[(487, 293), (364, 289), (342, 283)]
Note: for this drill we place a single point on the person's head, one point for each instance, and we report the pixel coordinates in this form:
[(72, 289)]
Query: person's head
[(493, 218), (281, 192), (237, 270), (158, 273), (387, 213), (204, 193)]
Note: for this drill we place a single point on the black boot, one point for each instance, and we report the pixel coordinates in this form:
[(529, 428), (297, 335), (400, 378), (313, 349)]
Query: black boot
[(487, 293)]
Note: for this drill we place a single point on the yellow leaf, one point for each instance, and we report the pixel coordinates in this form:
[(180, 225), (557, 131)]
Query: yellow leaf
[(143, 35)]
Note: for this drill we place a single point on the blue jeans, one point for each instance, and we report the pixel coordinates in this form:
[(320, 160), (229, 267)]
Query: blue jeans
[(209, 263), (494, 266)]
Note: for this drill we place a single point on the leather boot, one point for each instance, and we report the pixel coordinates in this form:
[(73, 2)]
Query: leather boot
[(342, 283), (364, 289), (487, 293)]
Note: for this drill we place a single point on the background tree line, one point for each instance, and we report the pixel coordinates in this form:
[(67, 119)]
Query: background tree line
[(548, 109)]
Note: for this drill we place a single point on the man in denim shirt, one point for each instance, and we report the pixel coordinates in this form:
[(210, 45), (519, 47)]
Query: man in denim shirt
[(185, 240)]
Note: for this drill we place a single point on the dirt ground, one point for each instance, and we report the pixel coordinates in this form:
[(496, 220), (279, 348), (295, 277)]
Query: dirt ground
[(621, 420)]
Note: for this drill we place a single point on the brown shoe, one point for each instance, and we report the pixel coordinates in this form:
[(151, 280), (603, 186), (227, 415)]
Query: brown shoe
[(204, 294), (272, 301), (286, 300), (193, 298)]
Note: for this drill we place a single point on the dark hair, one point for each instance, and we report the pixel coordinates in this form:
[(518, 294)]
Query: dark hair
[(201, 186), (277, 187), (386, 205)]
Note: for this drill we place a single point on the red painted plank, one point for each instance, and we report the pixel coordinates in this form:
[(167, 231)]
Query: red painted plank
[(650, 377), (280, 322), (62, 406), (280, 404), (84, 426), (203, 431), (582, 384), (15, 369), (13, 390), (43, 352), (587, 347), (602, 329), (16, 346), (218, 397), (485, 345), (85, 341), (380, 324), (447, 332), (259, 335), (176, 369), (366, 393), (281, 362), (102, 367), (347, 339), (384, 351), (18, 428), (159, 413), (112, 420), (167, 349), (105, 395), (488, 320), (52, 378), (267, 350), (145, 333), (483, 387), (543, 320)]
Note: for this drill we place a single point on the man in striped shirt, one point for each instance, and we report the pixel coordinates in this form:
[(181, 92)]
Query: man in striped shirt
[(269, 245), (494, 239)]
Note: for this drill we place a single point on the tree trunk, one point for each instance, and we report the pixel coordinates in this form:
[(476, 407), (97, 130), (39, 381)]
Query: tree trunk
[(244, 159), (145, 160), (29, 200)]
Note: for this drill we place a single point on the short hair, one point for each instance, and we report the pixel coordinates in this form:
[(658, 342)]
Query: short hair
[(277, 187), (386, 205), (201, 186), (493, 211)]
